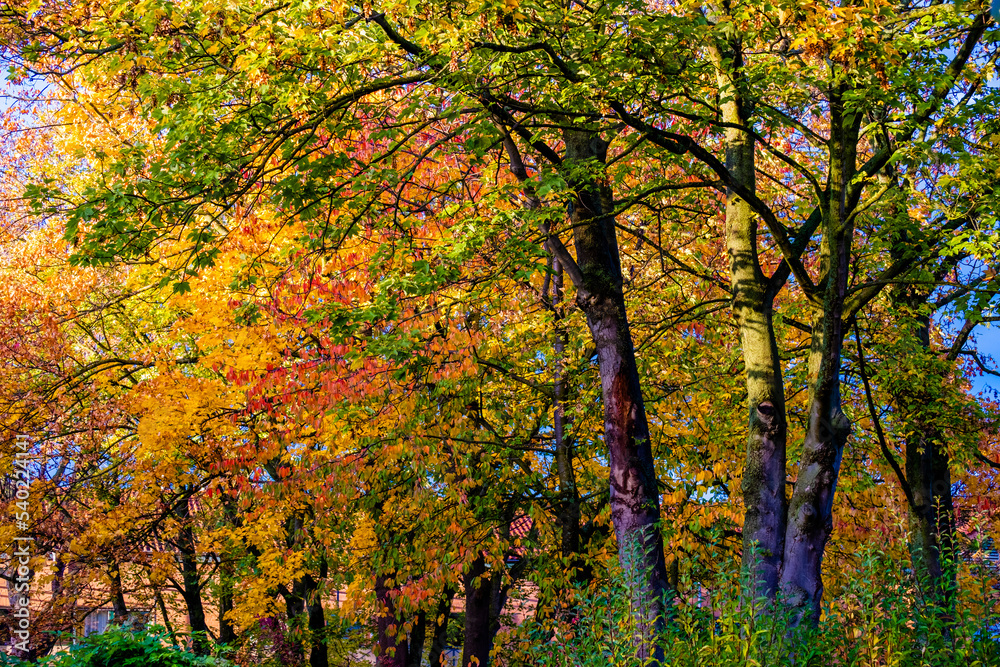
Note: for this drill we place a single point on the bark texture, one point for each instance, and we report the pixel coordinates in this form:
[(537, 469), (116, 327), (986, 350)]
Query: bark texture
[(635, 500), (753, 298)]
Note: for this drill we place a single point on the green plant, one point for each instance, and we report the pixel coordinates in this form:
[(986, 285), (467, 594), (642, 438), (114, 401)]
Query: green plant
[(118, 647), (873, 622)]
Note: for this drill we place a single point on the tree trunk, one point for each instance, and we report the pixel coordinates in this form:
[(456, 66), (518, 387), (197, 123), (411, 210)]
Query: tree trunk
[(478, 599), (931, 519), (192, 583), (440, 639), (764, 471), (635, 498), (392, 645), (162, 605), (931, 512), (227, 633), (568, 518), (319, 654), (810, 510), (193, 601), (597, 276), (118, 606), (416, 643)]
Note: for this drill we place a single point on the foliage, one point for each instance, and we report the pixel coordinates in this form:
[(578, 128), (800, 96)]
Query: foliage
[(290, 297), (873, 621), (119, 647)]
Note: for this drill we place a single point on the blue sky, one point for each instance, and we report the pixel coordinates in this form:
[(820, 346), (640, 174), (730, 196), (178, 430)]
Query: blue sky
[(988, 342)]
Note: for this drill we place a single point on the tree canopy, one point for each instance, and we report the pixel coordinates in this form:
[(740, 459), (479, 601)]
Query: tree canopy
[(423, 301)]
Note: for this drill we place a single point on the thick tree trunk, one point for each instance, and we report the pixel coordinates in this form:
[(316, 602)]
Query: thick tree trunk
[(319, 655), (392, 644), (810, 510), (635, 498), (764, 471), (931, 519)]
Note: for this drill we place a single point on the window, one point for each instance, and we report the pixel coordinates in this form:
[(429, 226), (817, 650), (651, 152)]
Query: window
[(96, 622)]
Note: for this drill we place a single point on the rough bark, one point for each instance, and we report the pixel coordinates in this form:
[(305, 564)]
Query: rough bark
[(764, 471), (635, 500)]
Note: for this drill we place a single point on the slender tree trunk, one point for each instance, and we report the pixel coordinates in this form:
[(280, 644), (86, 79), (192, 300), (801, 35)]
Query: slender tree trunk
[(764, 471), (162, 605), (416, 644), (118, 605), (319, 654), (439, 641), (227, 633), (392, 645), (635, 498), (192, 583), (193, 601), (569, 498)]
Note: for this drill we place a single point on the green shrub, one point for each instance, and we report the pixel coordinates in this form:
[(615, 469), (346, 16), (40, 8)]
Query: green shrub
[(124, 648)]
